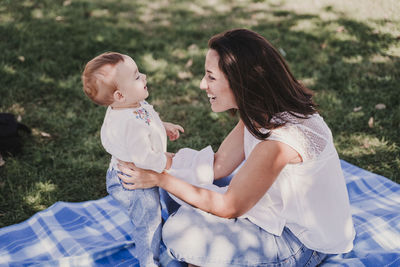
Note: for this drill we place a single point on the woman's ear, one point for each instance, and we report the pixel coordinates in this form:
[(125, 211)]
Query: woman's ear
[(118, 96)]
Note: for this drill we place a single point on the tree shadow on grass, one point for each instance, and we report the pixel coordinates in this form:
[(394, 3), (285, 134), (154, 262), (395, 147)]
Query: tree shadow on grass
[(47, 44)]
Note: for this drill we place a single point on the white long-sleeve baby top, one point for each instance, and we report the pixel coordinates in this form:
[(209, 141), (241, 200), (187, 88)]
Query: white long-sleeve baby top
[(135, 135)]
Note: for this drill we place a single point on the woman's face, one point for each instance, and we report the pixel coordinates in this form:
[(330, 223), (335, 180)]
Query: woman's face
[(216, 85)]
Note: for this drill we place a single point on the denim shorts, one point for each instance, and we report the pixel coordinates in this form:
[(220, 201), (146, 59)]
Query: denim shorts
[(194, 236)]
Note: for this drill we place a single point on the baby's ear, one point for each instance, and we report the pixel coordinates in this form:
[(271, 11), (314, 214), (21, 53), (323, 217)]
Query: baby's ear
[(118, 96)]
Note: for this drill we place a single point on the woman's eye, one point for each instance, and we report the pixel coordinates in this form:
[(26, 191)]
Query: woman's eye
[(211, 78)]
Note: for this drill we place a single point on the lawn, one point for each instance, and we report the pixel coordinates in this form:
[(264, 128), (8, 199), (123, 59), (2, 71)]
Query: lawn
[(348, 52)]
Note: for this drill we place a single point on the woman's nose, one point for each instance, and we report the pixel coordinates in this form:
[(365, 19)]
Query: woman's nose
[(203, 84)]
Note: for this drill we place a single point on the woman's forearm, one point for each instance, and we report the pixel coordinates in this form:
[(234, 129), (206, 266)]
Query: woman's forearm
[(204, 199), (224, 165)]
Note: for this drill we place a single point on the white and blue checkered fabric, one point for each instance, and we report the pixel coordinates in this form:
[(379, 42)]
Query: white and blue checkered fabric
[(97, 233), (375, 206)]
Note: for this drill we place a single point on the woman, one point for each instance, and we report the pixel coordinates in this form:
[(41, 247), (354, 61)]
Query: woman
[(287, 205)]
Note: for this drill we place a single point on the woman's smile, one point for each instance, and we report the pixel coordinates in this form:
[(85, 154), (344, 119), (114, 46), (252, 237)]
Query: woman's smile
[(212, 98)]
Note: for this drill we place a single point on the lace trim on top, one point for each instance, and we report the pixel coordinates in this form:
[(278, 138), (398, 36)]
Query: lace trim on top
[(308, 136)]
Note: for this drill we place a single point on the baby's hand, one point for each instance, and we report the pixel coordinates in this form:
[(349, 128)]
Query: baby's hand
[(173, 130), (169, 156)]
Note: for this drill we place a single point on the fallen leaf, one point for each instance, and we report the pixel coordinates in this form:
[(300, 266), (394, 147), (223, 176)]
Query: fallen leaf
[(357, 109), (340, 29), (380, 106), (44, 134), (21, 58), (371, 122), (2, 162), (67, 3), (189, 63)]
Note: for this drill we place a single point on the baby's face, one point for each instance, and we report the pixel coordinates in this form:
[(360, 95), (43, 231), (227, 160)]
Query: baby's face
[(131, 82)]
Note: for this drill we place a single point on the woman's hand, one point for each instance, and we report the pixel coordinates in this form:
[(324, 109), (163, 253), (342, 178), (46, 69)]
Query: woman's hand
[(173, 130), (136, 178)]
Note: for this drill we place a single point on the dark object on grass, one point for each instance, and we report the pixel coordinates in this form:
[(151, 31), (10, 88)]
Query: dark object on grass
[(10, 139)]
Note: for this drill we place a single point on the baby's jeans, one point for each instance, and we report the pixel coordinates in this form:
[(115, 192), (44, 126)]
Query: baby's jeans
[(144, 209)]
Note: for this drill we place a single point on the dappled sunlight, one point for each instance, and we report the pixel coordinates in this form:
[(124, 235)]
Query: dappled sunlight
[(212, 5), (214, 116), (99, 38), (221, 244), (39, 194), (309, 82), (343, 35), (46, 244), (380, 59), (304, 25), (356, 114), (360, 144), (98, 13), (194, 50), (368, 10), (198, 10), (37, 13), (393, 50), (5, 16), (70, 114), (45, 78), (9, 69), (17, 109), (180, 53), (5, 258), (151, 64), (386, 26), (247, 240), (353, 60), (327, 15), (328, 98), (71, 82)]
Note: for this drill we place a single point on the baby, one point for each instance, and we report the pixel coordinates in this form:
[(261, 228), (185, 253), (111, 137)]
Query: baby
[(132, 131)]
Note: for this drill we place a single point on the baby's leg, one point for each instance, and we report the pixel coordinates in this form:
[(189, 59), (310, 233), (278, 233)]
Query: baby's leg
[(144, 209)]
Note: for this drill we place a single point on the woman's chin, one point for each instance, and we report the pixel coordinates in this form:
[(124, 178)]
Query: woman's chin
[(215, 108)]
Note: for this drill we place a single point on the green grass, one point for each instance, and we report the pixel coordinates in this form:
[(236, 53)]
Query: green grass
[(348, 53)]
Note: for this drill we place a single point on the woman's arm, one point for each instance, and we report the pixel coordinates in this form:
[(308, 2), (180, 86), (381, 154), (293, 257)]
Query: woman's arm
[(231, 152), (247, 187)]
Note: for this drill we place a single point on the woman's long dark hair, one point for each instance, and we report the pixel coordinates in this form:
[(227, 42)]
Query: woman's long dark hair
[(261, 81)]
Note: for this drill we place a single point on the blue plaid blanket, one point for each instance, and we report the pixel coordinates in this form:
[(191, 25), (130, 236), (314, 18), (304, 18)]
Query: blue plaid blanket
[(96, 233)]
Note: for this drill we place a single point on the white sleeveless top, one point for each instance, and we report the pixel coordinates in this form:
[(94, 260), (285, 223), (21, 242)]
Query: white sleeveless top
[(310, 198)]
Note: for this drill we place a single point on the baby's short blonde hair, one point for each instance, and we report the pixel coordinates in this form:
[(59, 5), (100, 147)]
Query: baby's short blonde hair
[(94, 78)]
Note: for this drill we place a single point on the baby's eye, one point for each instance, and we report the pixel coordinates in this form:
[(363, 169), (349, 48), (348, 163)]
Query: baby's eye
[(137, 78)]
